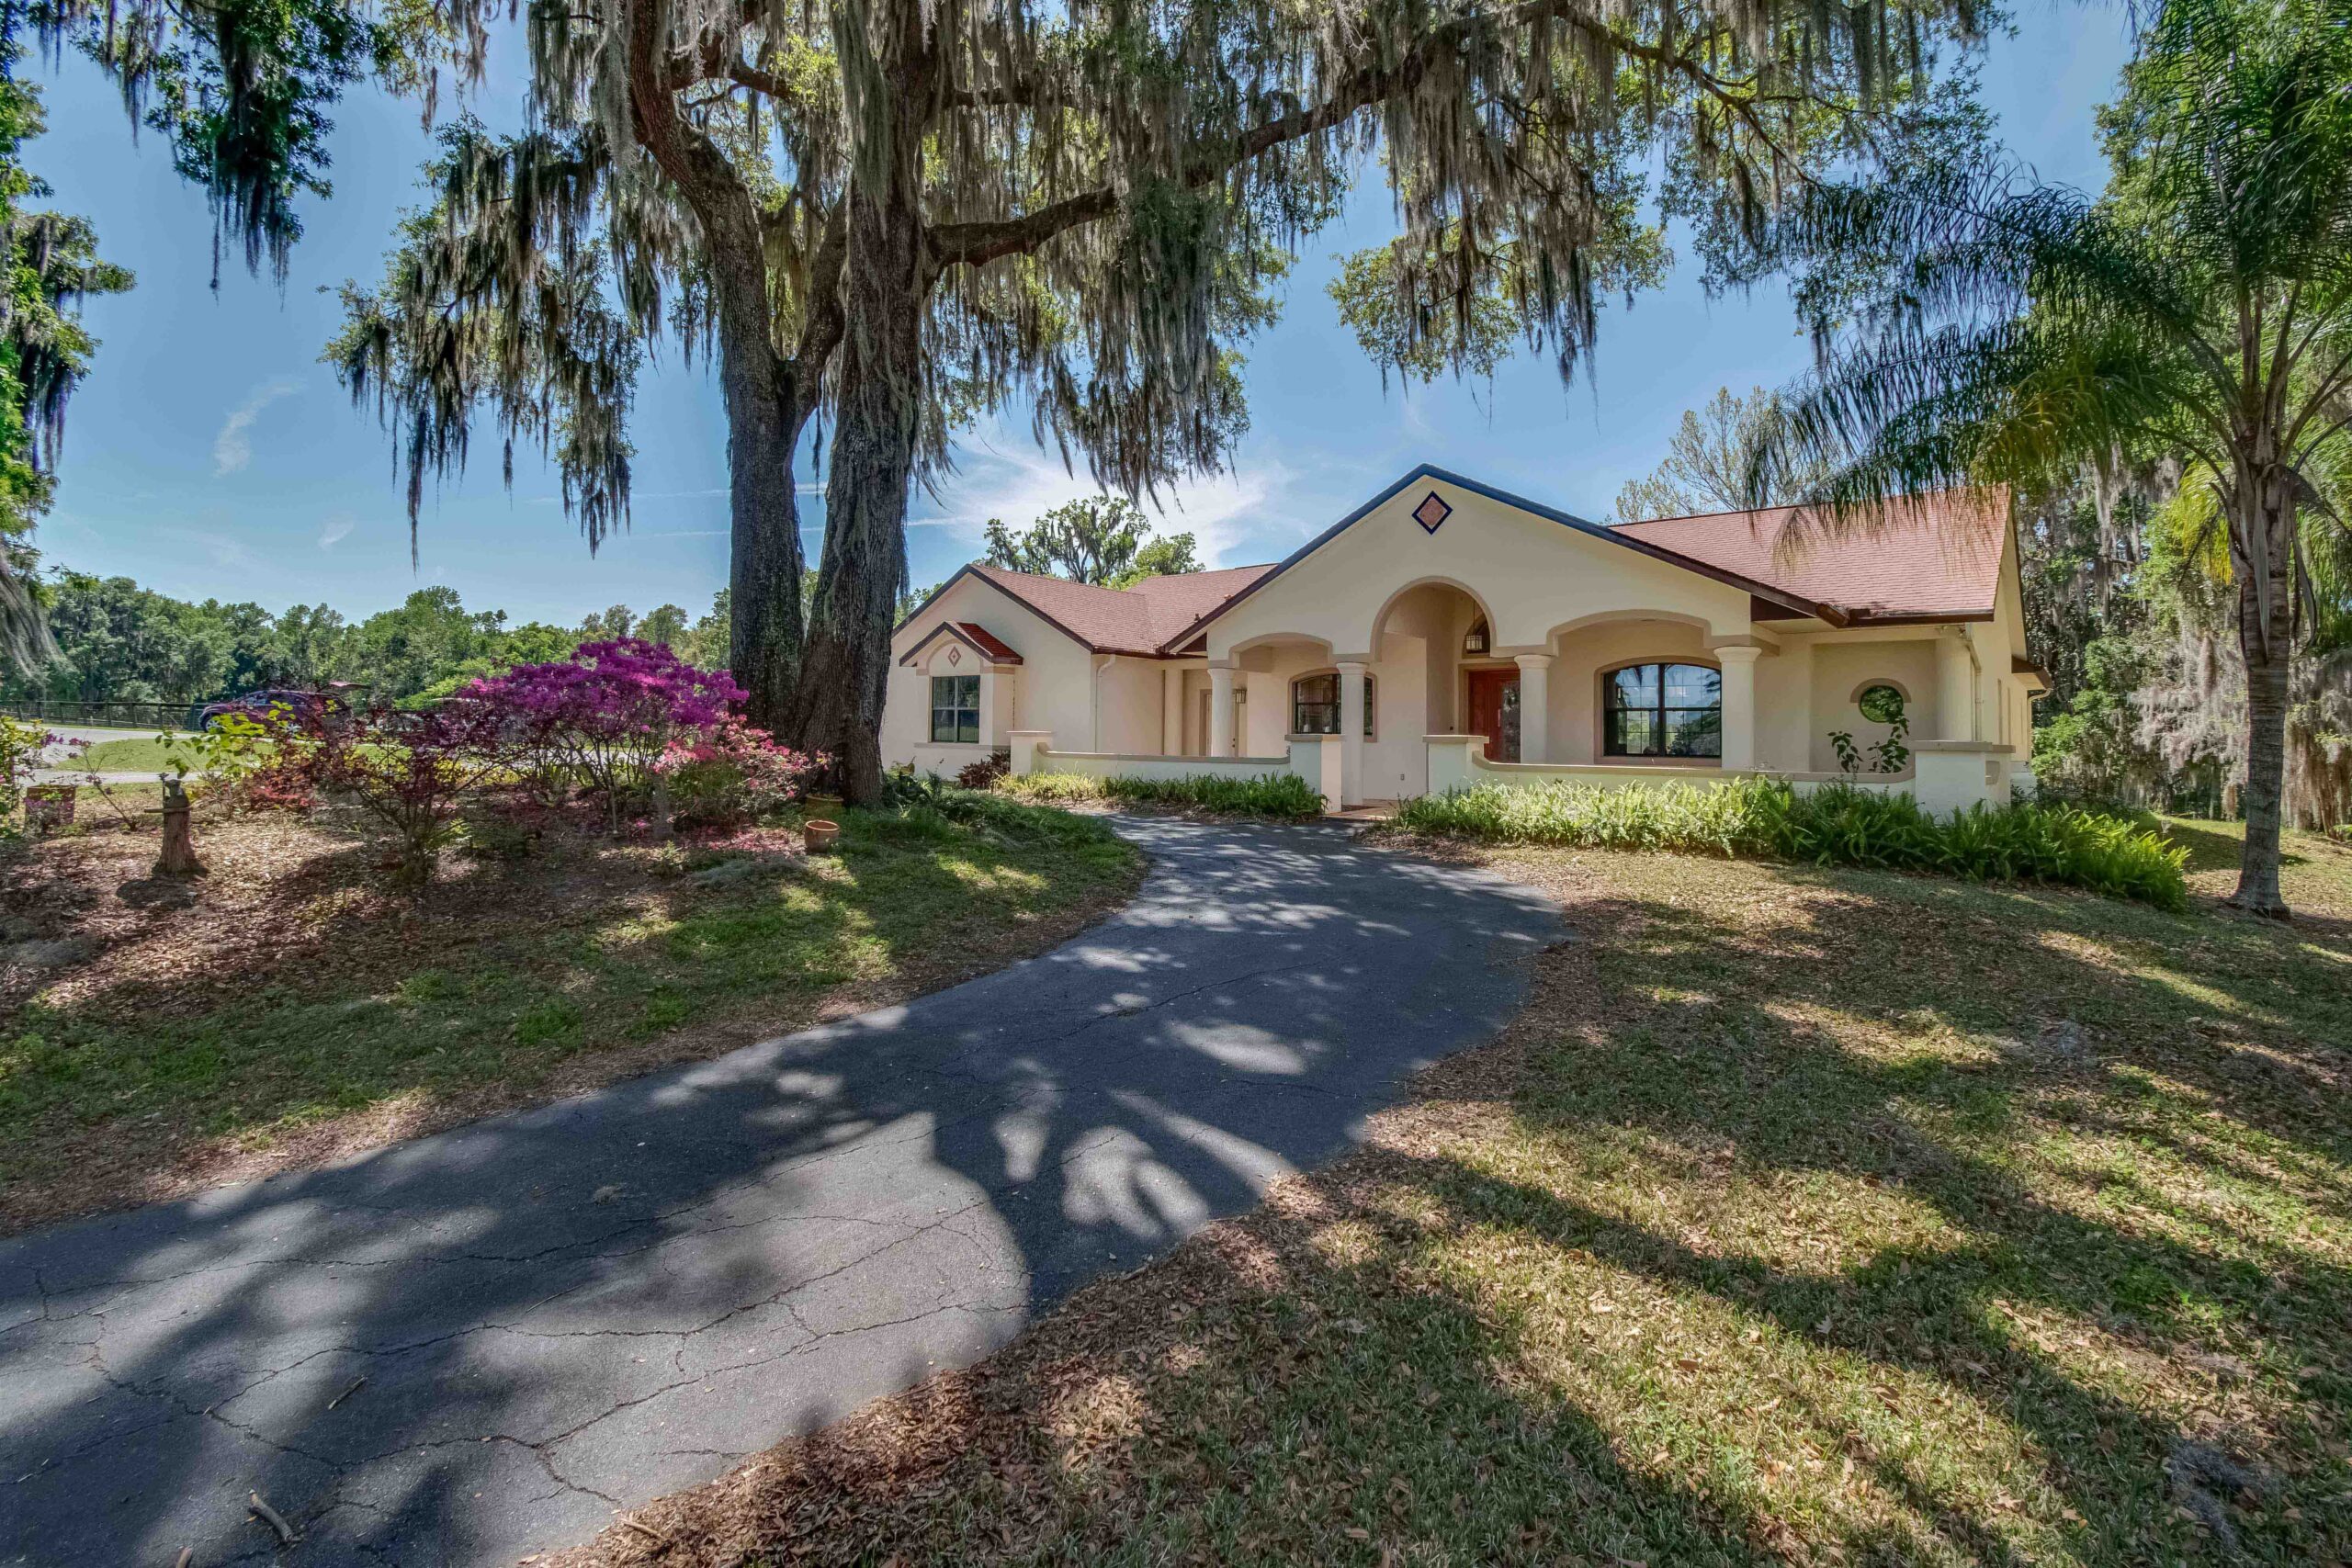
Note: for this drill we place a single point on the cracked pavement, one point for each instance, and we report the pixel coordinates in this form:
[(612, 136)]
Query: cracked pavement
[(477, 1344)]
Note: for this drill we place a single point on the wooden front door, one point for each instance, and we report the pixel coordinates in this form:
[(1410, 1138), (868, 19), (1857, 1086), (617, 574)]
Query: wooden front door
[(1494, 712)]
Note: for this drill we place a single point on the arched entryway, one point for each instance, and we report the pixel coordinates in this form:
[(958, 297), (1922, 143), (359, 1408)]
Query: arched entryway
[(1436, 640)]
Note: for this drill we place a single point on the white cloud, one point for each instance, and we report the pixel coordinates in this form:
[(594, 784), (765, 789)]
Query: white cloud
[(335, 529), (224, 550), (233, 448), (1002, 476)]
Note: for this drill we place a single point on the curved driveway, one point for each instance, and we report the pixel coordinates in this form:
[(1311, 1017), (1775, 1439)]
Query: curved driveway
[(480, 1344)]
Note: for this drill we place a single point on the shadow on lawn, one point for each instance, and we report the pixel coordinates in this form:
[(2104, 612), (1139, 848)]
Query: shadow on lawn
[(330, 994), (1549, 1334), (2222, 1061), (468, 1346)]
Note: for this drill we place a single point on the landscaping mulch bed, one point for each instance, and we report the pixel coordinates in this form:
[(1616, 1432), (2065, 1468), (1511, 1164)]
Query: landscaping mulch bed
[(292, 1007), (1800, 1217)]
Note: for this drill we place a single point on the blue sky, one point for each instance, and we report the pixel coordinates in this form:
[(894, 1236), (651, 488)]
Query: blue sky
[(211, 455)]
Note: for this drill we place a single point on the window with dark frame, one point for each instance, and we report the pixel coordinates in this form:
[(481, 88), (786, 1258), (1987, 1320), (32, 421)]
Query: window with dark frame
[(956, 708), (1315, 705), (1664, 710)]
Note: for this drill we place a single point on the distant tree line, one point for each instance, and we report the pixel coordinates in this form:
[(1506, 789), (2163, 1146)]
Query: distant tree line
[(119, 642)]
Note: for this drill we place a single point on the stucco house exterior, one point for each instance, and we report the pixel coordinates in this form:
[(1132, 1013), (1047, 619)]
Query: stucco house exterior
[(1447, 633)]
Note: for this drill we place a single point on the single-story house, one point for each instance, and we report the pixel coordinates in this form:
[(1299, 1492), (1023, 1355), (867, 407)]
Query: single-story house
[(1445, 632)]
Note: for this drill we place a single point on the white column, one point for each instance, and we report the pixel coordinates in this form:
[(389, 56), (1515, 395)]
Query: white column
[(1739, 706), (1220, 710), (1351, 733), (1534, 708), (988, 706), (1955, 687), (1172, 711)]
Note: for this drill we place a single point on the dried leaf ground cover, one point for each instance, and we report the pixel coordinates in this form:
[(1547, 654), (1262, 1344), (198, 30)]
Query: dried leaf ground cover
[(1802, 1218), (290, 1006)]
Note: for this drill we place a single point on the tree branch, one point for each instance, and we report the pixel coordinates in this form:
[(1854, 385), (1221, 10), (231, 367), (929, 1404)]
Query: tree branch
[(978, 243)]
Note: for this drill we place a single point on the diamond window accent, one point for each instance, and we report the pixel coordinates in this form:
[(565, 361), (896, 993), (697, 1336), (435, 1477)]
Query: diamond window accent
[(954, 656), (1431, 511)]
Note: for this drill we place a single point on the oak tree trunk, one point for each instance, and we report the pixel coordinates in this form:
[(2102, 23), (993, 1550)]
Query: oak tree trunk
[(846, 664), (886, 274), (2266, 637), (768, 397), (764, 630)]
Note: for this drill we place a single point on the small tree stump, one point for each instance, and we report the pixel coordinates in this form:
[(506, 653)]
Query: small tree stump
[(663, 830), (178, 858)]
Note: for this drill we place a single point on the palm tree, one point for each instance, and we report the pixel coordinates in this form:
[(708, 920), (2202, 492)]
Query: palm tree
[(2203, 307)]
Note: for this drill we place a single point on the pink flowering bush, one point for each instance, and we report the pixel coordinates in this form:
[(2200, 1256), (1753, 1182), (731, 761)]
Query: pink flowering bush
[(605, 717), (20, 749), (732, 775)]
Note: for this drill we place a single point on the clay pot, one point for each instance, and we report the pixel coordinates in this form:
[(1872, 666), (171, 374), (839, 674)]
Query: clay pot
[(817, 835)]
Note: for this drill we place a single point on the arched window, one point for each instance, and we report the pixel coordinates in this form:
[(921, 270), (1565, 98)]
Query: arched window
[(1663, 710), (1315, 704)]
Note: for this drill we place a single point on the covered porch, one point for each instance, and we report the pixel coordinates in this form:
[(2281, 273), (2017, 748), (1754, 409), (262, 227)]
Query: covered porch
[(1639, 688)]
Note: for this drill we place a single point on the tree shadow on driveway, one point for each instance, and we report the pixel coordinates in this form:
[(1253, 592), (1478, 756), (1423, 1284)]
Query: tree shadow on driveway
[(473, 1344)]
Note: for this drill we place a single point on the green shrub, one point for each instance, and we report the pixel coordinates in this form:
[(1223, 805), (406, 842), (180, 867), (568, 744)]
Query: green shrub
[(937, 813), (1285, 796), (1836, 825), (1054, 787)]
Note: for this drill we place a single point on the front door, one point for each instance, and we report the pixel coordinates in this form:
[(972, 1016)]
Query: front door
[(1494, 712)]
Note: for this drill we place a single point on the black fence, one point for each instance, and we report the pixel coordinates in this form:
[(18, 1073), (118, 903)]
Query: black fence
[(110, 716)]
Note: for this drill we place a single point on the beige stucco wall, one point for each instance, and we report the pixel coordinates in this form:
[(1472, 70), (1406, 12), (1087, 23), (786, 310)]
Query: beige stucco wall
[(1127, 714), (1531, 575), (1051, 689), (1843, 663)]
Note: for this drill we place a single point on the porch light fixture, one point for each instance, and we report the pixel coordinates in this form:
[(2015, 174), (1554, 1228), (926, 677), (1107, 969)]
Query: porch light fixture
[(1475, 639), (1431, 511)]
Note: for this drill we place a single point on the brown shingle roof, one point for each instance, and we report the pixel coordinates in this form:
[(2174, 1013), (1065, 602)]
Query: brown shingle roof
[(1935, 557), (1129, 620), (1930, 555)]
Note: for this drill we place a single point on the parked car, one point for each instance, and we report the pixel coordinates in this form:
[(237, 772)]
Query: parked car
[(304, 706)]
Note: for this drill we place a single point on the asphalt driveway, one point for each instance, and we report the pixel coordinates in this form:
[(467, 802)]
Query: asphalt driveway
[(478, 1344)]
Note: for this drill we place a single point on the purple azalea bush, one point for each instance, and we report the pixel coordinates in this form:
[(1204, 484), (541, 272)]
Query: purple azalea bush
[(606, 716), (409, 770), (633, 722)]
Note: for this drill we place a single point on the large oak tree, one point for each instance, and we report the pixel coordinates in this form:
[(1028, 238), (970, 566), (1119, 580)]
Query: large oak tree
[(889, 216)]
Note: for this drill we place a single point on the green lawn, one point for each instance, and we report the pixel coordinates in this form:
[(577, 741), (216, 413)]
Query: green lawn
[(294, 1005), (2315, 870), (1803, 1217), (147, 755)]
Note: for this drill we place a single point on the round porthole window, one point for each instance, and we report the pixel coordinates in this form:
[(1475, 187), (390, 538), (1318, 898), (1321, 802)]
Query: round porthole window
[(1881, 704)]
